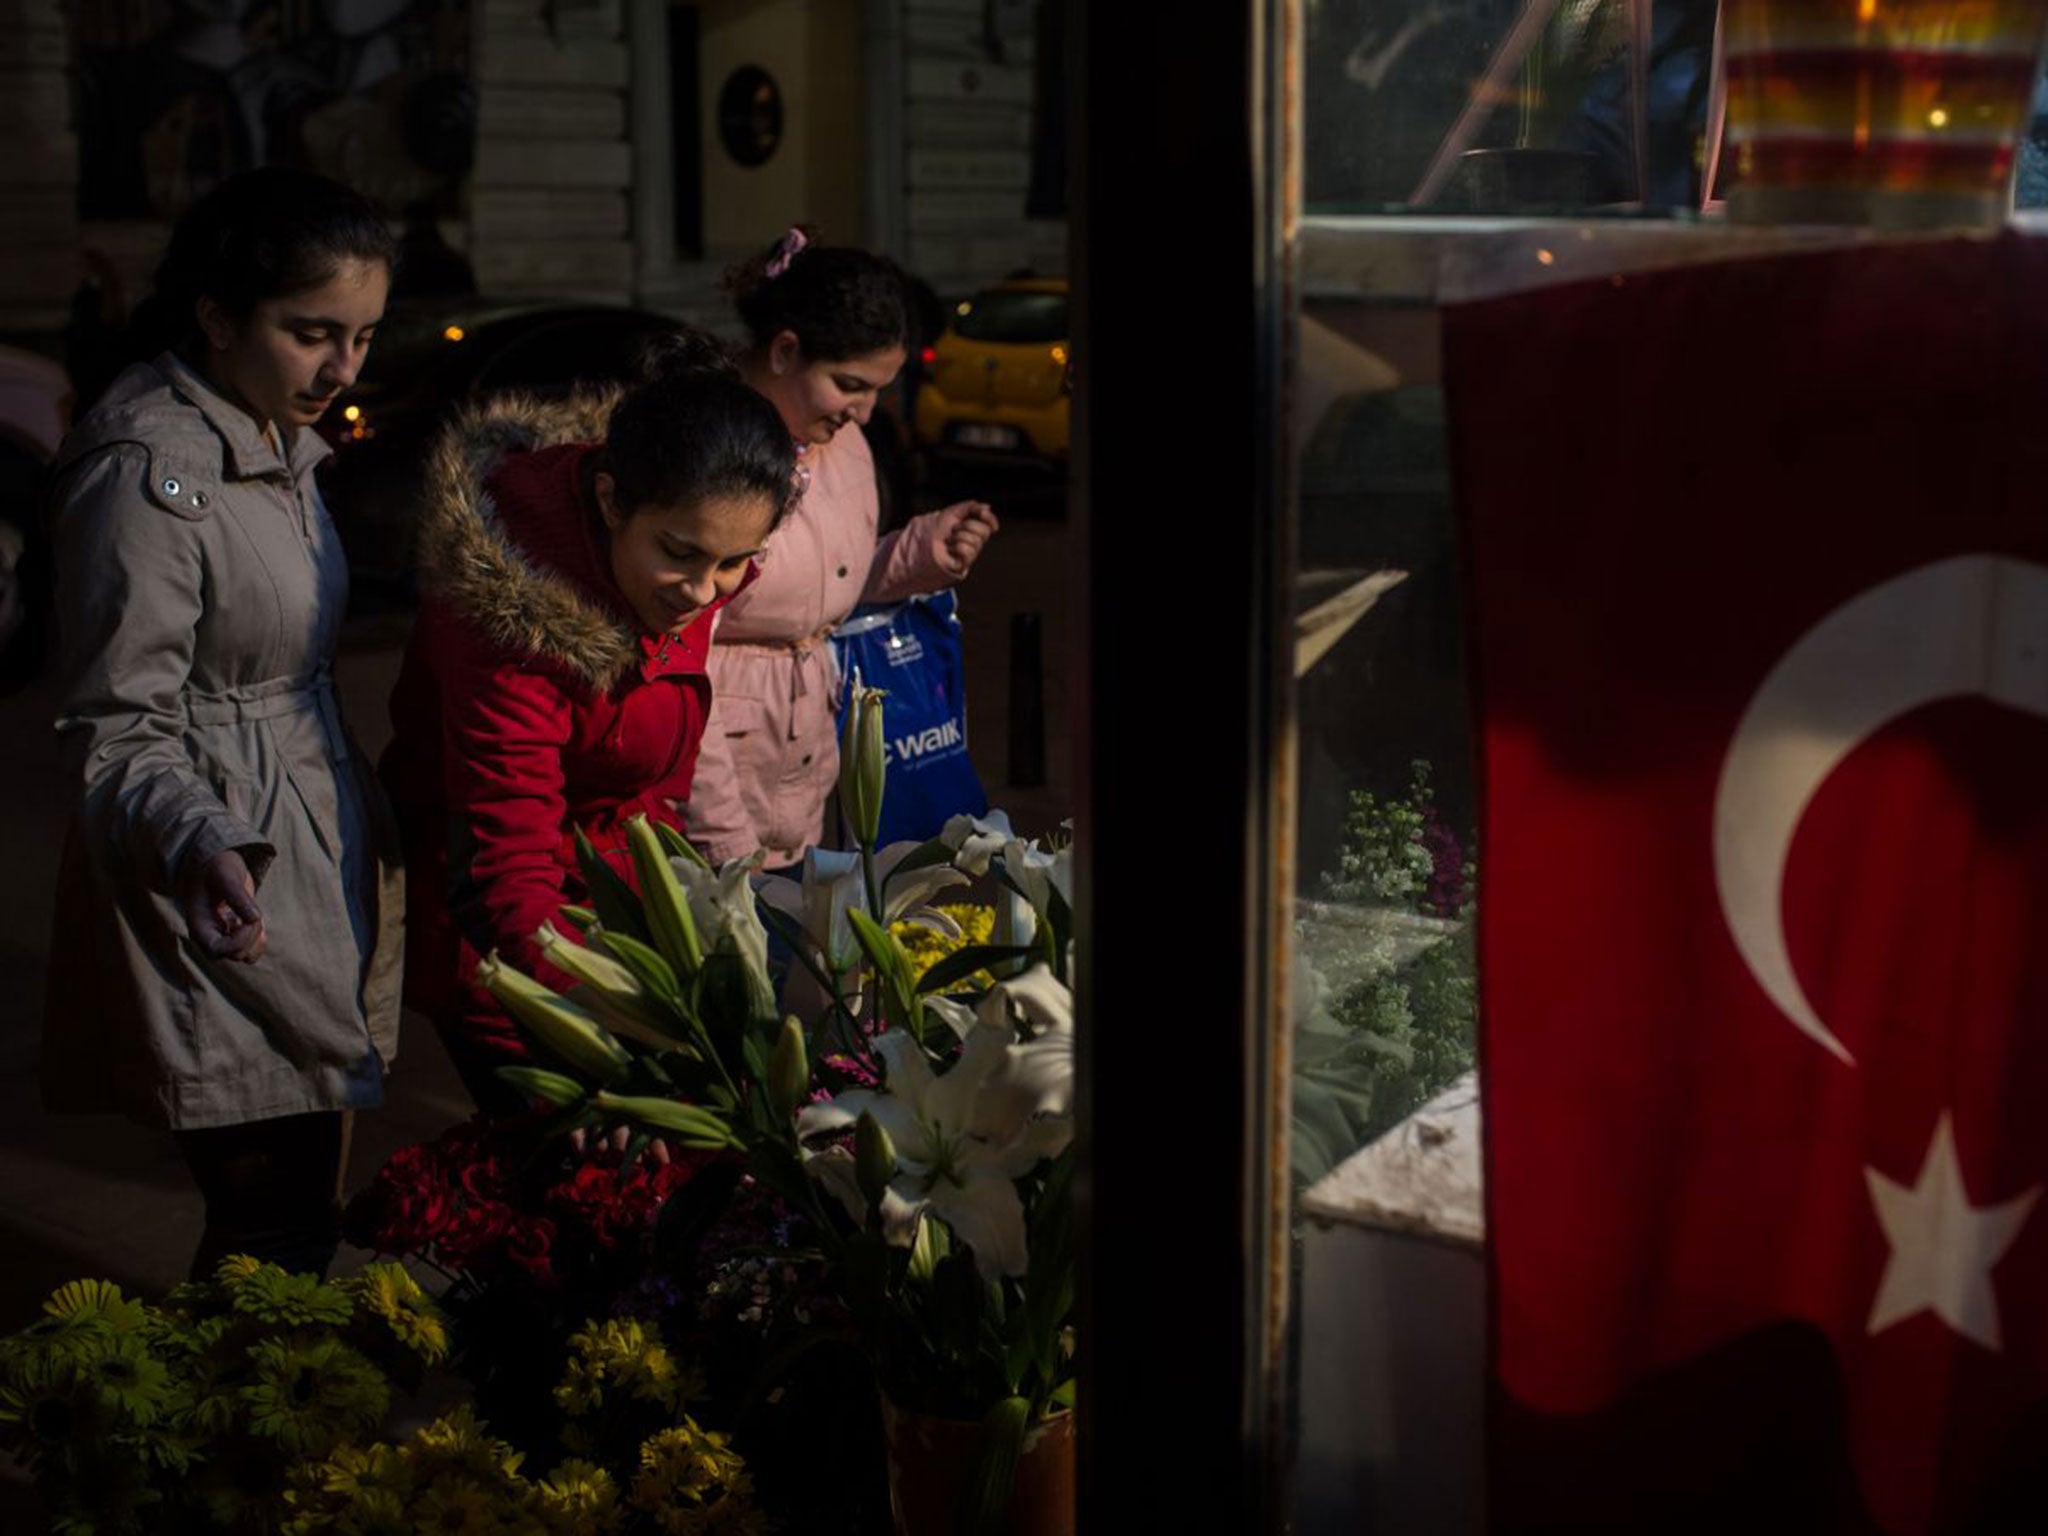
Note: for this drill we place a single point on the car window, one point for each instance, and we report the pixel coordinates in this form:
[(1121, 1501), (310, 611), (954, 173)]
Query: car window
[(1007, 315)]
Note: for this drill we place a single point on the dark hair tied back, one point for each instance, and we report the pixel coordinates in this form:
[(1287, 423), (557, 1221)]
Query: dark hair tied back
[(265, 234), (682, 352), (838, 301), (693, 430)]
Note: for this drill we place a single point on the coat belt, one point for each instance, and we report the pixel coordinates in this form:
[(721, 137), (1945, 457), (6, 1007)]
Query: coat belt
[(272, 701)]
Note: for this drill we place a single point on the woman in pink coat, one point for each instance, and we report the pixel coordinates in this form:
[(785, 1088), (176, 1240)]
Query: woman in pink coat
[(828, 331)]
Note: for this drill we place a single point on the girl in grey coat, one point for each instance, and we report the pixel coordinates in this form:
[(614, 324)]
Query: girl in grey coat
[(226, 953)]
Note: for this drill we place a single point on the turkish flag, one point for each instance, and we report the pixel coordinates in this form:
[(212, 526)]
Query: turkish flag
[(1758, 558)]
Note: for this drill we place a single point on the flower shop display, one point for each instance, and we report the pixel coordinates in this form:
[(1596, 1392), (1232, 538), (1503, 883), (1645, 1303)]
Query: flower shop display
[(825, 1283), (191, 1414), (884, 1173)]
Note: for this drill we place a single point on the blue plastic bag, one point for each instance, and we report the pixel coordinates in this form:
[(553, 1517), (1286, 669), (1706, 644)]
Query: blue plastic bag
[(911, 651)]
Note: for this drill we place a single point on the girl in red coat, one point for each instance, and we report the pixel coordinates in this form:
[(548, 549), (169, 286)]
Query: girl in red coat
[(575, 556)]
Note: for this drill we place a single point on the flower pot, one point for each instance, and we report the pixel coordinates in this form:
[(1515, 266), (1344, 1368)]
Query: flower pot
[(929, 1461)]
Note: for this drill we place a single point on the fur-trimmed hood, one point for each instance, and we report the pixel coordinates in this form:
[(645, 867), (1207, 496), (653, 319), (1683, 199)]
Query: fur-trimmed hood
[(480, 559)]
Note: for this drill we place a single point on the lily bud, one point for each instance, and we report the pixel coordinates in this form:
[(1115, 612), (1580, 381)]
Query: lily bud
[(874, 1157), (862, 768), (664, 900), (789, 1070), (932, 1244), (611, 992), (586, 965), (551, 1087), (565, 1030), (694, 1126)]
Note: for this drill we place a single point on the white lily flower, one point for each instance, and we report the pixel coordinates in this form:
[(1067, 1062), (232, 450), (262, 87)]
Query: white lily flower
[(977, 839), (964, 1137), (722, 906), (908, 900), (832, 886), (819, 902), (1040, 873), (1025, 901), (1037, 1080)]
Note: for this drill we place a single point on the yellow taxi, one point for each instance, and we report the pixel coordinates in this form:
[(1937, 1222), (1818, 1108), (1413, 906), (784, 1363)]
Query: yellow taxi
[(999, 380)]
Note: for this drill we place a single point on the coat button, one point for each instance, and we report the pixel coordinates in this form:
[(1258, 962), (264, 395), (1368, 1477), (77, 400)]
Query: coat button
[(199, 498), (172, 487), (807, 759), (842, 570)]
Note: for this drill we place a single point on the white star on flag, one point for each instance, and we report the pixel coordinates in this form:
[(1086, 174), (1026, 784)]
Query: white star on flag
[(1943, 1247)]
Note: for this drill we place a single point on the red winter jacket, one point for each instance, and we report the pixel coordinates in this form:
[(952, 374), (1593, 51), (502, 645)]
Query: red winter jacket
[(530, 704)]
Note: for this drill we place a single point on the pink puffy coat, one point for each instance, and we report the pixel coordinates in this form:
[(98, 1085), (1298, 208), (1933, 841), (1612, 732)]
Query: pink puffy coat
[(770, 758)]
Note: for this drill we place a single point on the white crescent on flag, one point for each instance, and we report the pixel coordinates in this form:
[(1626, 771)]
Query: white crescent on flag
[(1973, 625)]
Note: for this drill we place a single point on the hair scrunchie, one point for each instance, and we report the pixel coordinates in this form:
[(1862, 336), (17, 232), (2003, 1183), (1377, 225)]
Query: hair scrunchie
[(787, 250)]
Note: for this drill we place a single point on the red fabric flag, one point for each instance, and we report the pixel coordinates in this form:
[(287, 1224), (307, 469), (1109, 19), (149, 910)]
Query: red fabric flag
[(1759, 561)]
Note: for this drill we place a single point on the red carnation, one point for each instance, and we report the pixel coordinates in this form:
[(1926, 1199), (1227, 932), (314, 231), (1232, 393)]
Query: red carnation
[(473, 1237), (405, 1207), (586, 1199), (529, 1243), (485, 1179)]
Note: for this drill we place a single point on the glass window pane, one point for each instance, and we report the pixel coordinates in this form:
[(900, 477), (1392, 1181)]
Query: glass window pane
[(1506, 106), (1012, 315)]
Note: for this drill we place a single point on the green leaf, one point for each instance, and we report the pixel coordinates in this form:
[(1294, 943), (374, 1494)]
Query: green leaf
[(618, 907), (1064, 1394), (582, 917), (992, 1476), (1047, 943), (963, 963), (680, 846), (1049, 1282), (644, 961), (892, 967), (724, 998)]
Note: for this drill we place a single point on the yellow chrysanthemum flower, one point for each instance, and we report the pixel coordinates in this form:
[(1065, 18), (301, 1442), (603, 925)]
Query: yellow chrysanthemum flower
[(235, 1268), (357, 1471), (686, 1464), (456, 1442), (927, 946), (273, 1295), (582, 1388), (131, 1381), (374, 1514), (578, 1498), (456, 1507), (97, 1300), (388, 1293), (310, 1394), (624, 1353)]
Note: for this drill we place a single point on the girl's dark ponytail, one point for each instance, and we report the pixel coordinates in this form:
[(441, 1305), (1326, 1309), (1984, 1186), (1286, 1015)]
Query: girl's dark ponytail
[(838, 301)]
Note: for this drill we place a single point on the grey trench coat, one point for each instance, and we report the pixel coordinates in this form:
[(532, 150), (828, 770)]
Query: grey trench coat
[(200, 593)]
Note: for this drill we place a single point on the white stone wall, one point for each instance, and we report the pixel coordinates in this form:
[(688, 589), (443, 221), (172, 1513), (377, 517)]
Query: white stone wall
[(967, 120), (548, 200), (39, 171)]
